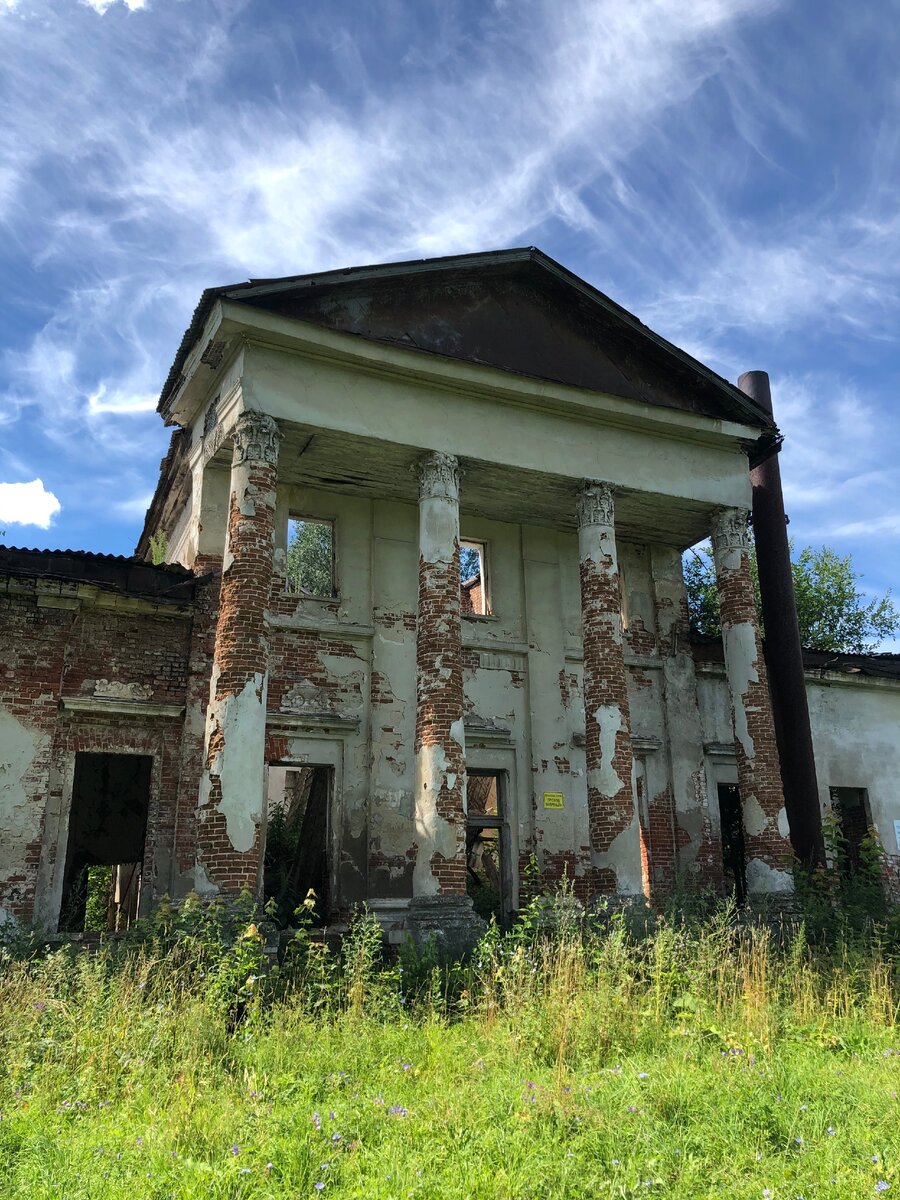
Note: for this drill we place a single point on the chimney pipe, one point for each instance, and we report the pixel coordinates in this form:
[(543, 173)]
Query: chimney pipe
[(784, 656)]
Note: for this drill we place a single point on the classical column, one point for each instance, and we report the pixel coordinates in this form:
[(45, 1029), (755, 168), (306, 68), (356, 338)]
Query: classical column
[(759, 777), (608, 755), (440, 742), (231, 809), (440, 906)]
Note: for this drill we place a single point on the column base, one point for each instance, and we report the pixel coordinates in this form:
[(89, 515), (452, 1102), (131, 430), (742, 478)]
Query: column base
[(449, 921)]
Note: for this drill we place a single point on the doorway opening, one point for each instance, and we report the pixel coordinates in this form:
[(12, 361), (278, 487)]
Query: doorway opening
[(851, 807), (105, 851), (734, 855), (297, 862), (488, 868)]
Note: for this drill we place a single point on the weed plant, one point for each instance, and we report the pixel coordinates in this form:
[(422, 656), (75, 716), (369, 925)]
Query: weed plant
[(616, 1055)]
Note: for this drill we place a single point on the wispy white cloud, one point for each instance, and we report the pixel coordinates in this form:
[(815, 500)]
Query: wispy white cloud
[(838, 273), (100, 6), (632, 140), (837, 468), (166, 182), (120, 402), (134, 507), (28, 504)]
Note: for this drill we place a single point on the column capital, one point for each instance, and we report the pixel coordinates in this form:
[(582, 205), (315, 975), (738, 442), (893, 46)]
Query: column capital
[(438, 476), (596, 505), (256, 437), (730, 532)]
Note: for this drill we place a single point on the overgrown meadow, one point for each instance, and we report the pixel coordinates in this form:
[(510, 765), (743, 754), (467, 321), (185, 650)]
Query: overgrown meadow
[(603, 1059)]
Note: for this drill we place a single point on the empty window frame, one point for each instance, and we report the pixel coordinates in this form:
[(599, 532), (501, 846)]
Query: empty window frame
[(488, 867), (850, 807), (310, 557), (473, 581)]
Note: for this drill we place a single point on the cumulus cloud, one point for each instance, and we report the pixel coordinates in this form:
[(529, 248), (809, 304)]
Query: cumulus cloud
[(28, 504)]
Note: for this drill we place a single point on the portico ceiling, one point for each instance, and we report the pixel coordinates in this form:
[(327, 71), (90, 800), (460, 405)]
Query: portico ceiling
[(360, 466)]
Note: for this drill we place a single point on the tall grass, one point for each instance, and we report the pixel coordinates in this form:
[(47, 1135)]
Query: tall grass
[(563, 1060)]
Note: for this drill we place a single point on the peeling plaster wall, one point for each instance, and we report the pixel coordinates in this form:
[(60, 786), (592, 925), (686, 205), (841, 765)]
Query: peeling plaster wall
[(855, 737), (559, 837), (355, 657), (330, 396), (854, 723), (696, 838), (22, 747), (395, 565)]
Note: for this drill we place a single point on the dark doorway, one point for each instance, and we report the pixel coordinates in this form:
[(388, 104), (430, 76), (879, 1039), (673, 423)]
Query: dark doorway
[(105, 852), (734, 858), (851, 807), (488, 879), (297, 859)]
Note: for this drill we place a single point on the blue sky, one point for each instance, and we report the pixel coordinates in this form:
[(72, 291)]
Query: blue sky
[(727, 169)]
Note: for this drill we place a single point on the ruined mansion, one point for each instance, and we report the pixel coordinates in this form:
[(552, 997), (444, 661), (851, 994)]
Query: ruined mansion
[(407, 624)]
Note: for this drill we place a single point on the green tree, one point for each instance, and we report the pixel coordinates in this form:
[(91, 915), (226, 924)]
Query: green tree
[(310, 557), (469, 562), (832, 612)]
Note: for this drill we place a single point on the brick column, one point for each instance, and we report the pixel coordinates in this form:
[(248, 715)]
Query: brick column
[(231, 809), (440, 908), (759, 776), (608, 754), (440, 742)]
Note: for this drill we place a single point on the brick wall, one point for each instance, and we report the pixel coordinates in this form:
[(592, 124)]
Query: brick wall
[(88, 653)]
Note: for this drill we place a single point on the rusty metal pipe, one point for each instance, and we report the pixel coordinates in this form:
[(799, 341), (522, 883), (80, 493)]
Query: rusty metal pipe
[(784, 655)]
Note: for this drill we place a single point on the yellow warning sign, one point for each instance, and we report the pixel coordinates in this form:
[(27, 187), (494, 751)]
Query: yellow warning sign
[(554, 800)]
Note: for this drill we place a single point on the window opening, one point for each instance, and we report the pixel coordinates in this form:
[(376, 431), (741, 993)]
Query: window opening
[(851, 808), (473, 579), (105, 850), (488, 879), (734, 856), (310, 557), (296, 859)]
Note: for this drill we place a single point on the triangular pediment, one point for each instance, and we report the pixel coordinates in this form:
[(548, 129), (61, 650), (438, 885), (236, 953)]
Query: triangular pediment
[(513, 310)]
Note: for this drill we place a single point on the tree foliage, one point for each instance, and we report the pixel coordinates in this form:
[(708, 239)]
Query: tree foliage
[(310, 558), (469, 563), (832, 611)]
